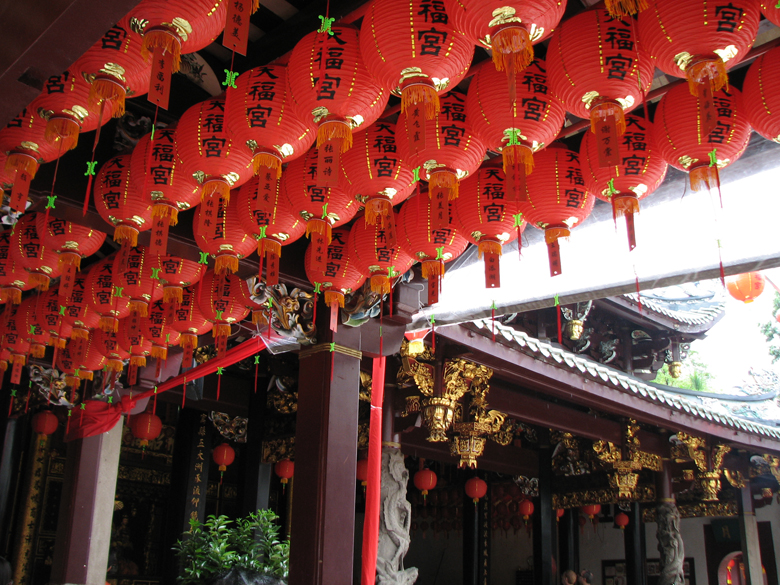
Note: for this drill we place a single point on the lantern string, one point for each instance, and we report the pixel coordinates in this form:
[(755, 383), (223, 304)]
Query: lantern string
[(558, 315), (91, 165), (493, 319), (27, 402), (52, 197), (433, 333)]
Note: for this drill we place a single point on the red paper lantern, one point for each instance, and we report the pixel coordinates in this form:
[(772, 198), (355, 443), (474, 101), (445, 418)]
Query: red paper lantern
[(45, 422), (412, 49), (64, 104), (339, 96), (208, 152), (526, 509), (285, 469), (14, 335), (70, 240), (425, 481), (532, 121), (621, 519), (676, 133), (6, 178), (591, 510), (361, 472), (431, 247), (38, 337), (190, 320), (508, 29), (761, 95), (375, 257), (266, 214), (108, 345), (47, 317), (225, 240), (487, 215), (101, 295), (145, 427), (598, 69), (134, 343), (476, 488), (559, 514), (29, 252), (697, 40), (135, 277), (640, 171), (120, 202), (79, 359), (259, 115), (79, 313), (556, 200), (746, 287), (770, 11), (223, 300), (176, 274), (223, 455), (13, 280), (377, 176), (158, 330)]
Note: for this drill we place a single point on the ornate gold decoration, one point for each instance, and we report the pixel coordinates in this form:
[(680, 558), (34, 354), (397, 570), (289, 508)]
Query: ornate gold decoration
[(735, 478), (292, 313), (437, 412), (708, 463), (365, 386), (727, 53), (278, 449), (363, 436), (682, 60), (283, 402), (697, 510), (600, 496), (204, 353), (774, 465), (233, 429), (626, 461)]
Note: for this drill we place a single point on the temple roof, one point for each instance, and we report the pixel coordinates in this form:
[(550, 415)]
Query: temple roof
[(692, 303)]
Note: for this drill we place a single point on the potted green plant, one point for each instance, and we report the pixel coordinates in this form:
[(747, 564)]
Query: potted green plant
[(223, 552)]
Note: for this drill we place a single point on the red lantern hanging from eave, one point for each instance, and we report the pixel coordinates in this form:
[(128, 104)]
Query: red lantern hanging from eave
[(29, 252), (411, 48), (266, 214), (13, 280), (135, 274), (338, 95), (285, 470), (476, 489), (526, 509), (746, 287), (361, 472), (45, 422), (508, 29), (425, 481), (120, 202), (431, 247), (259, 115), (79, 313), (14, 336), (450, 153), (114, 69), (771, 12), (556, 200), (676, 133), (486, 214), (158, 330), (599, 71), (640, 171), (207, 151), (699, 41), (145, 427), (47, 316), (376, 259), (621, 520), (102, 297), (591, 510), (533, 119), (79, 360), (228, 242), (176, 274), (133, 342), (761, 95), (223, 300), (339, 276), (378, 177), (38, 336), (64, 105), (108, 345), (223, 456), (190, 322)]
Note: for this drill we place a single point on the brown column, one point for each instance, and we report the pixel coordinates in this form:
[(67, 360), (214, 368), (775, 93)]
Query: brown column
[(86, 509), (323, 518), (748, 531)]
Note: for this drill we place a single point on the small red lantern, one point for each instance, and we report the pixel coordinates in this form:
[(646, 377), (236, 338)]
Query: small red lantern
[(158, 330), (70, 240), (102, 297), (133, 276), (375, 257), (361, 472), (746, 287), (79, 313), (476, 488), (108, 344), (64, 104), (217, 230), (559, 514), (176, 274), (591, 510), (285, 469), (120, 202), (425, 481), (224, 300), (621, 520), (223, 456), (47, 317), (761, 94), (526, 509), (132, 340), (79, 359), (190, 322), (13, 280), (38, 336), (29, 252), (45, 422), (15, 337), (145, 427)]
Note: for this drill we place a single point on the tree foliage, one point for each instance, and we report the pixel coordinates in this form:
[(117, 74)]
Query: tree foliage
[(771, 331)]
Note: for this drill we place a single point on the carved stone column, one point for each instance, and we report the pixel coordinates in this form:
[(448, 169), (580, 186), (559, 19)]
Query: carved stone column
[(670, 544)]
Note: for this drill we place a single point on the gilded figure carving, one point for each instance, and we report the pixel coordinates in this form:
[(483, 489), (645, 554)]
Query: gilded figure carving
[(292, 313)]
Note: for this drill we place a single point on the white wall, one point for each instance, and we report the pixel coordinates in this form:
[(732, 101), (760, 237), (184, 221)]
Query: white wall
[(603, 543)]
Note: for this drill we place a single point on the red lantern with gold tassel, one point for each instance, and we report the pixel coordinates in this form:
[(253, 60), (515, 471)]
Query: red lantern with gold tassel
[(699, 41), (338, 95), (228, 242), (414, 50), (746, 287), (109, 347), (133, 342), (79, 313), (259, 115), (377, 176), (761, 95), (47, 317), (375, 257), (599, 71), (6, 178), (102, 297), (38, 336), (451, 153), (266, 214), (64, 104), (284, 470), (190, 322), (676, 133), (29, 252), (208, 152), (158, 330), (45, 423), (120, 202), (13, 280), (146, 427), (340, 275), (508, 29), (223, 456), (771, 11), (79, 360), (431, 247), (486, 214), (640, 171), (176, 274), (156, 169), (15, 338), (134, 276), (223, 300), (556, 200)]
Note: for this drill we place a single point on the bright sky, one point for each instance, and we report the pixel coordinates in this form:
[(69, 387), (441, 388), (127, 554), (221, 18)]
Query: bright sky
[(735, 344)]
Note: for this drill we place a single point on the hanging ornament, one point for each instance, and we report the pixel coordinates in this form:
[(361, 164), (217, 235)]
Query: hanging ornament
[(177, 273), (79, 360), (13, 280), (431, 247), (103, 297), (145, 427), (771, 12), (48, 318), (190, 322), (425, 481), (487, 215), (531, 122), (37, 336), (223, 456), (79, 313), (108, 345), (375, 258), (45, 423), (621, 520), (30, 253), (361, 472), (640, 171), (133, 275), (285, 470), (120, 202), (134, 343), (157, 329), (761, 95), (15, 339), (476, 489), (676, 133), (526, 510), (222, 236), (223, 300), (591, 510), (746, 287), (599, 71), (559, 514), (64, 105)]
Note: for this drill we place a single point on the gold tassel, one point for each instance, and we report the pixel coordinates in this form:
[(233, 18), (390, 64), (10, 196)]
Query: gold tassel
[(140, 307), (512, 47), (159, 352), (125, 233), (60, 342), (552, 234), (165, 38), (3, 365), (379, 209), (115, 366), (188, 341), (11, 293), (423, 92), (266, 160), (523, 154), (489, 247), (107, 324), (72, 381), (319, 226), (68, 259), (173, 294), (86, 374), (712, 70), (108, 89), (433, 268), (621, 8), (445, 179), (166, 210), (336, 130), (226, 263), (138, 360), (40, 281), (259, 318), (380, 284), (221, 330), (255, 5), (271, 247), (624, 204), (22, 161), (37, 351), (334, 296), (216, 186), (63, 128), (606, 109), (704, 177), (79, 333)]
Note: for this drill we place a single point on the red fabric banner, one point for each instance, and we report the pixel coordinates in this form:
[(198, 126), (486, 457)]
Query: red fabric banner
[(374, 479)]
